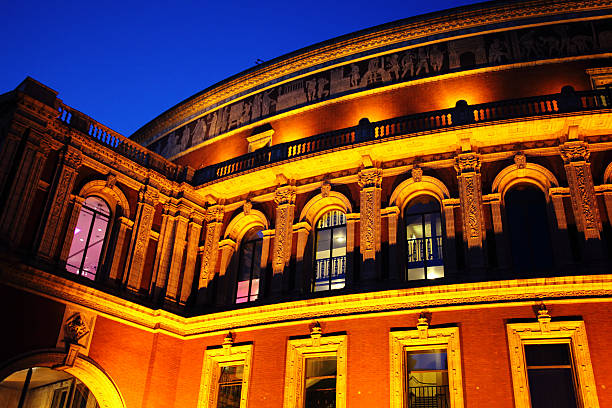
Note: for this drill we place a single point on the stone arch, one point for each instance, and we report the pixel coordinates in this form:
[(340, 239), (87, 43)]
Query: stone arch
[(607, 178), (242, 223), (319, 205), (409, 189), (85, 369), (529, 173), (111, 194)]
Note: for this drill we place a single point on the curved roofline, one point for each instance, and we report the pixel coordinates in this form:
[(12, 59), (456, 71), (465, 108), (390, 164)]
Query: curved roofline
[(138, 136)]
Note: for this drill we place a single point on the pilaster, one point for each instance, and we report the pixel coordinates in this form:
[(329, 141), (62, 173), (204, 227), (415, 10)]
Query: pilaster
[(501, 244), (369, 180), (470, 198), (147, 198), (164, 249), (450, 247), (214, 223), (392, 214), (178, 249), (193, 240), (281, 253), (302, 230), (58, 203), (125, 224), (575, 156), (560, 236)]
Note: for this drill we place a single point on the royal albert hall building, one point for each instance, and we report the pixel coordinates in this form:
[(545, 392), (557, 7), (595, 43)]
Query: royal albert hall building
[(415, 215)]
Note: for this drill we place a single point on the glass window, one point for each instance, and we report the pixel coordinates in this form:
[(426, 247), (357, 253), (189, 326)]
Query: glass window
[(528, 228), (330, 252), (249, 268), (320, 382), (88, 238), (230, 386), (424, 239), (550, 375), (426, 379)]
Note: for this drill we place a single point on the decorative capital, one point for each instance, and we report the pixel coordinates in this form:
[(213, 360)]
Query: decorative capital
[(214, 214), (417, 174), (246, 207), (423, 325), (147, 195), (73, 157), (75, 329), (315, 333), (544, 318), (466, 163), (371, 177), (325, 189), (574, 152), (520, 160), (284, 195)]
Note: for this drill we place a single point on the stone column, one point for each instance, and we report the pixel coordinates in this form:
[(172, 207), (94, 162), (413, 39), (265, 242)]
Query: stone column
[(501, 243), (227, 247), (147, 198), (392, 214), (370, 180), (23, 188), (178, 249), (125, 224), (302, 230), (214, 223), (575, 156), (193, 241), (285, 208), (450, 247), (351, 220), (164, 250), (470, 198), (62, 187)]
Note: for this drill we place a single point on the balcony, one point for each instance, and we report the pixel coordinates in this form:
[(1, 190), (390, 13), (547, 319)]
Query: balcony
[(427, 396)]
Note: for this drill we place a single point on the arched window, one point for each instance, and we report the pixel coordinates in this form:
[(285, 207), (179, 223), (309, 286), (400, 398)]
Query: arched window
[(88, 240), (528, 229), (249, 268), (424, 239), (330, 254)]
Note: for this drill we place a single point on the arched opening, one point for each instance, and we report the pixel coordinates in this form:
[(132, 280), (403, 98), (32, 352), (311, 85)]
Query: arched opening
[(330, 252), (528, 228), (249, 266), (42, 387), (88, 238), (424, 251)]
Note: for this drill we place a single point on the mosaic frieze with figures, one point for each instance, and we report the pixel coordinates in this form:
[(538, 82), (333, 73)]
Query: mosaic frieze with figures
[(538, 43)]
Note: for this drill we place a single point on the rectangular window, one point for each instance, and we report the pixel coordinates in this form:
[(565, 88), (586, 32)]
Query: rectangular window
[(550, 375), (320, 382), (427, 378), (230, 386)]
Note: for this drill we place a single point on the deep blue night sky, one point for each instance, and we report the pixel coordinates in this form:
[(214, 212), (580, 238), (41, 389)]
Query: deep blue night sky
[(123, 63)]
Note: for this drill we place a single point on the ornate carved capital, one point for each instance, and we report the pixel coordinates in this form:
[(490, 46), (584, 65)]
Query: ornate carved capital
[(73, 157), (148, 195), (214, 214), (284, 195), (466, 163), (370, 177), (574, 152)]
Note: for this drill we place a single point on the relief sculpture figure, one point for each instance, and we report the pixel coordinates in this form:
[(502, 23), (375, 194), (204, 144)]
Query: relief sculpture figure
[(407, 64), (321, 91), (311, 89), (355, 76), (422, 61), (436, 58)]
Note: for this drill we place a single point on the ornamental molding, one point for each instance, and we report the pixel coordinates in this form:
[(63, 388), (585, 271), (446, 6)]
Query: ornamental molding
[(243, 222), (467, 163), (341, 49), (577, 151), (370, 178), (524, 172), (284, 195), (319, 205), (411, 188), (113, 195)]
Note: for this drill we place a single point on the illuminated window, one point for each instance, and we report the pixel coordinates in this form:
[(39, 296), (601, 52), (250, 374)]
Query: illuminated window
[(88, 240), (249, 269), (330, 254), (426, 368), (315, 375), (551, 365), (424, 239), (225, 379)]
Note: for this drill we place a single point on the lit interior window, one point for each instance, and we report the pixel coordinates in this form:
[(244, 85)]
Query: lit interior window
[(424, 239), (330, 255), (249, 269)]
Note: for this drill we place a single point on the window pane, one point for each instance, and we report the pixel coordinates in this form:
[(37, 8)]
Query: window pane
[(320, 382), (323, 243), (427, 379), (246, 260), (414, 226), (94, 249), (339, 242), (551, 388), (426, 360), (230, 387), (79, 240), (547, 354)]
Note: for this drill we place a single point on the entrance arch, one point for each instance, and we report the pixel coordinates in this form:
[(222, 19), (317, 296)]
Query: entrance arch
[(84, 369)]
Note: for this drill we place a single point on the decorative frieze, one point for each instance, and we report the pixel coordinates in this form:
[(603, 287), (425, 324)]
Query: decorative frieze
[(575, 156)]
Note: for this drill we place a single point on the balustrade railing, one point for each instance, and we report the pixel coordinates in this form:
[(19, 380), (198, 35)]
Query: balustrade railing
[(424, 249), (120, 144), (427, 396), (334, 266), (462, 114)]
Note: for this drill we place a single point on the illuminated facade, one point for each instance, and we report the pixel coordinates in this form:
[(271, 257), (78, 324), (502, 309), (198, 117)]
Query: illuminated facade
[(413, 215)]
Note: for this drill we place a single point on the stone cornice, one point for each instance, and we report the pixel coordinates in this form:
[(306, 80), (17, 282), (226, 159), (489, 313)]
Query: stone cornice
[(465, 296), (388, 35)]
